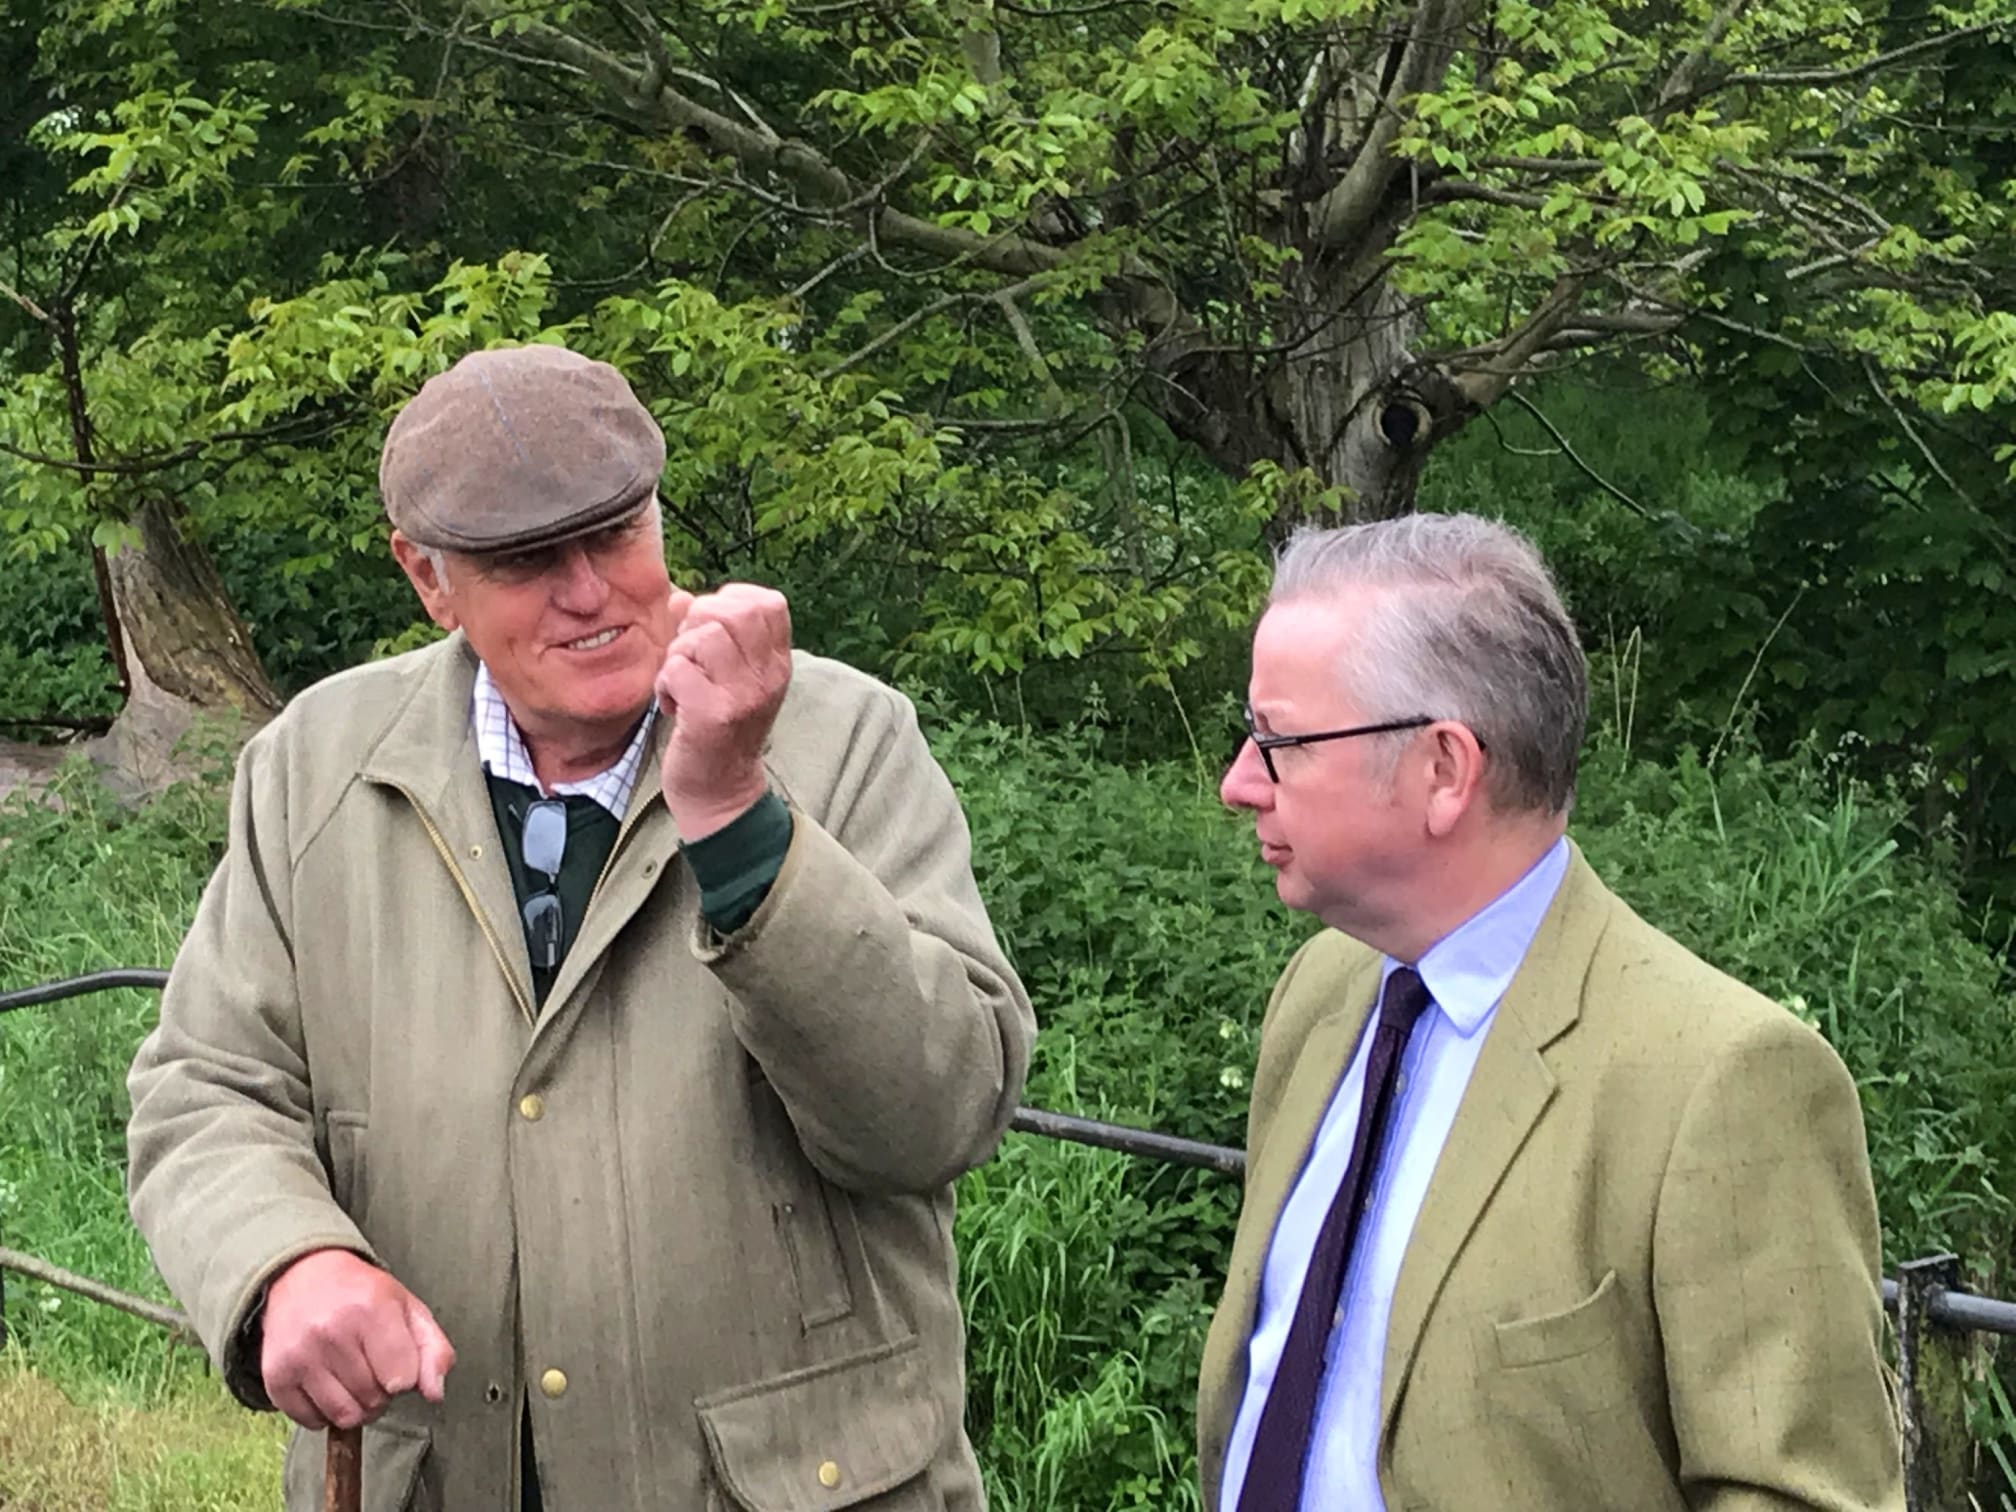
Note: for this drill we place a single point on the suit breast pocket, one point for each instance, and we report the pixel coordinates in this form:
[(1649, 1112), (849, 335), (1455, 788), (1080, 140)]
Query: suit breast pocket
[(1590, 1324), (1570, 1412)]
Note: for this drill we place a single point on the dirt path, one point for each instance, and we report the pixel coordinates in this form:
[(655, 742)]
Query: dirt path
[(23, 765), (145, 751)]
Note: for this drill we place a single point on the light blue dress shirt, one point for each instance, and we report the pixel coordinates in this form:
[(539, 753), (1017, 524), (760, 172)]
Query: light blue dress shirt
[(1467, 972)]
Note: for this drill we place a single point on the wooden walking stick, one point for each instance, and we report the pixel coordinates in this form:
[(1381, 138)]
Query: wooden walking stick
[(343, 1471)]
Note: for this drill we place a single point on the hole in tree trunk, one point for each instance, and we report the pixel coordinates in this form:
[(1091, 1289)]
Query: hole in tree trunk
[(1401, 425)]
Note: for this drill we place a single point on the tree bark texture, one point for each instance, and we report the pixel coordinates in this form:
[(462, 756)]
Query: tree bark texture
[(179, 621)]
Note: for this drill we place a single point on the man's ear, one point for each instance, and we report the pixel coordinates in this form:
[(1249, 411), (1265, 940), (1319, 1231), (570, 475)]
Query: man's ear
[(1455, 775), (430, 584)]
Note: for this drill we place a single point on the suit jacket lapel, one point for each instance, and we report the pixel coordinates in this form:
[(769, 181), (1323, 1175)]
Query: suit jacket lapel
[(1509, 1089)]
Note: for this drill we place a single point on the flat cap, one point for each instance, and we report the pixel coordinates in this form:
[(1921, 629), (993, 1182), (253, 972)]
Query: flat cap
[(517, 448)]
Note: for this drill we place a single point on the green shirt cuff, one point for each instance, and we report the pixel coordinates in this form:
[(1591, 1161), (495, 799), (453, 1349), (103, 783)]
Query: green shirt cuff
[(737, 863)]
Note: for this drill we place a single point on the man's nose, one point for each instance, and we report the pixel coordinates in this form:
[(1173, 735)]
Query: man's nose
[(1245, 784), (579, 586)]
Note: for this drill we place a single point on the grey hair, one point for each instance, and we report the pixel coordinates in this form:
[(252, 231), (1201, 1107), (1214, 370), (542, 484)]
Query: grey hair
[(1481, 637), (438, 560)]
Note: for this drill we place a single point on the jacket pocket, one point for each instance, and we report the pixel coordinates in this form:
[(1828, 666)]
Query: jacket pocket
[(817, 1270), (859, 1432), (804, 1212), (394, 1454), (1561, 1336)]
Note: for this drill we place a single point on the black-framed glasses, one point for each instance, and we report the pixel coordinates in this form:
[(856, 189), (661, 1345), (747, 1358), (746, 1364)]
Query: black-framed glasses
[(542, 843), (1269, 744)]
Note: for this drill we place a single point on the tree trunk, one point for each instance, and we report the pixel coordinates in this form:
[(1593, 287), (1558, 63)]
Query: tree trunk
[(179, 623), (189, 659), (1348, 400)]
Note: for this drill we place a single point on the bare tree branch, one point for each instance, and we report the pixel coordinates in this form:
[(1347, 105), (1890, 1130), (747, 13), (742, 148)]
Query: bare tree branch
[(153, 462), (1574, 456), (845, 260), (1026, 339), (1543, 165), (1348, 208), (1452, 191), (1911, 433), (1814, 77), (51, 1275), (28, 305), (791, 159), (1517, 451), (923, 313), (1682, 80), (1483, 385)]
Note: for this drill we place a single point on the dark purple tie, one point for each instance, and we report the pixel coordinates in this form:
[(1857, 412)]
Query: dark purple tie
[(1274, 1473)]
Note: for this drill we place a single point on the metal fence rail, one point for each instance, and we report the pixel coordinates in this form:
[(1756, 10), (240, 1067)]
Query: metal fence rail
[(1931, 1308)]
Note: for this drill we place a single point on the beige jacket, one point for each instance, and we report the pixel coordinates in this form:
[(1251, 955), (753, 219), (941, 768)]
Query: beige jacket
[(1645, 1276), (698, 1212)]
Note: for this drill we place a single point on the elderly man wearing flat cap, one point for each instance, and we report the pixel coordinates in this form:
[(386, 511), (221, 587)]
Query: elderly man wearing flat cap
[(589, 1137)]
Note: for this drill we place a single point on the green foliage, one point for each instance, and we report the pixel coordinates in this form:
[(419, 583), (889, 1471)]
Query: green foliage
[(1780, 574), (52, 657)]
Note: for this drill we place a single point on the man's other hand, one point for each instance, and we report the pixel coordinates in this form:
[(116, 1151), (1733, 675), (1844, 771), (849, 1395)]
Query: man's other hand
[(342, 1338), (723, 681)]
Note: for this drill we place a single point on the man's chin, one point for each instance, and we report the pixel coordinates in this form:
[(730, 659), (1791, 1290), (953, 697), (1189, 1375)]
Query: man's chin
[(1289, 889), (604, 701)]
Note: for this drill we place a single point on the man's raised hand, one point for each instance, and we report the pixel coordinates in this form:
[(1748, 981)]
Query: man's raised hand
[(722, 683)]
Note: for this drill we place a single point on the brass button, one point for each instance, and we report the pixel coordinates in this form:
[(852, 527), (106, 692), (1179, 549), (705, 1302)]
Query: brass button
[(829, 1475), (554, 1383), (532, 1106)]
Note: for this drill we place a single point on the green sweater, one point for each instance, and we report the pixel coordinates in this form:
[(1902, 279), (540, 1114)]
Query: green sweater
[(734, 866)]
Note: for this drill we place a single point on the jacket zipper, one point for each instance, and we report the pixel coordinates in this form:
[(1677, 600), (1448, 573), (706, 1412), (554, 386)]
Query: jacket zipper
[(623, 832), (469, 897)]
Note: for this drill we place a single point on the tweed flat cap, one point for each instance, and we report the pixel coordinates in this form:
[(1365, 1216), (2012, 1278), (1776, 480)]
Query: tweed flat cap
[(517, 448)]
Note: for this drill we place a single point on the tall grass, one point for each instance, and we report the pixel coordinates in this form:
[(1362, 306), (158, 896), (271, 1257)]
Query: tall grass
[(85, 884)]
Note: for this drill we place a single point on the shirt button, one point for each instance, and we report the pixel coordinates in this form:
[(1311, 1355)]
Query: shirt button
[(532, 1107), (554, 1383), (829, 1475)]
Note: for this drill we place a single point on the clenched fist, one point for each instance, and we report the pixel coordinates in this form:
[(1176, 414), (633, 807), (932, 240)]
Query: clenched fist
[(342, 1338), (723, 681)]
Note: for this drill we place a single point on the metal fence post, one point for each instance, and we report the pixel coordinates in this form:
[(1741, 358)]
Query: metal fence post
[(1931, 1382)]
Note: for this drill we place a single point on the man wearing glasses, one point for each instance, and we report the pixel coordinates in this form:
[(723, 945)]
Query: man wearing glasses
[(597, 1002), (1541, 1211)]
